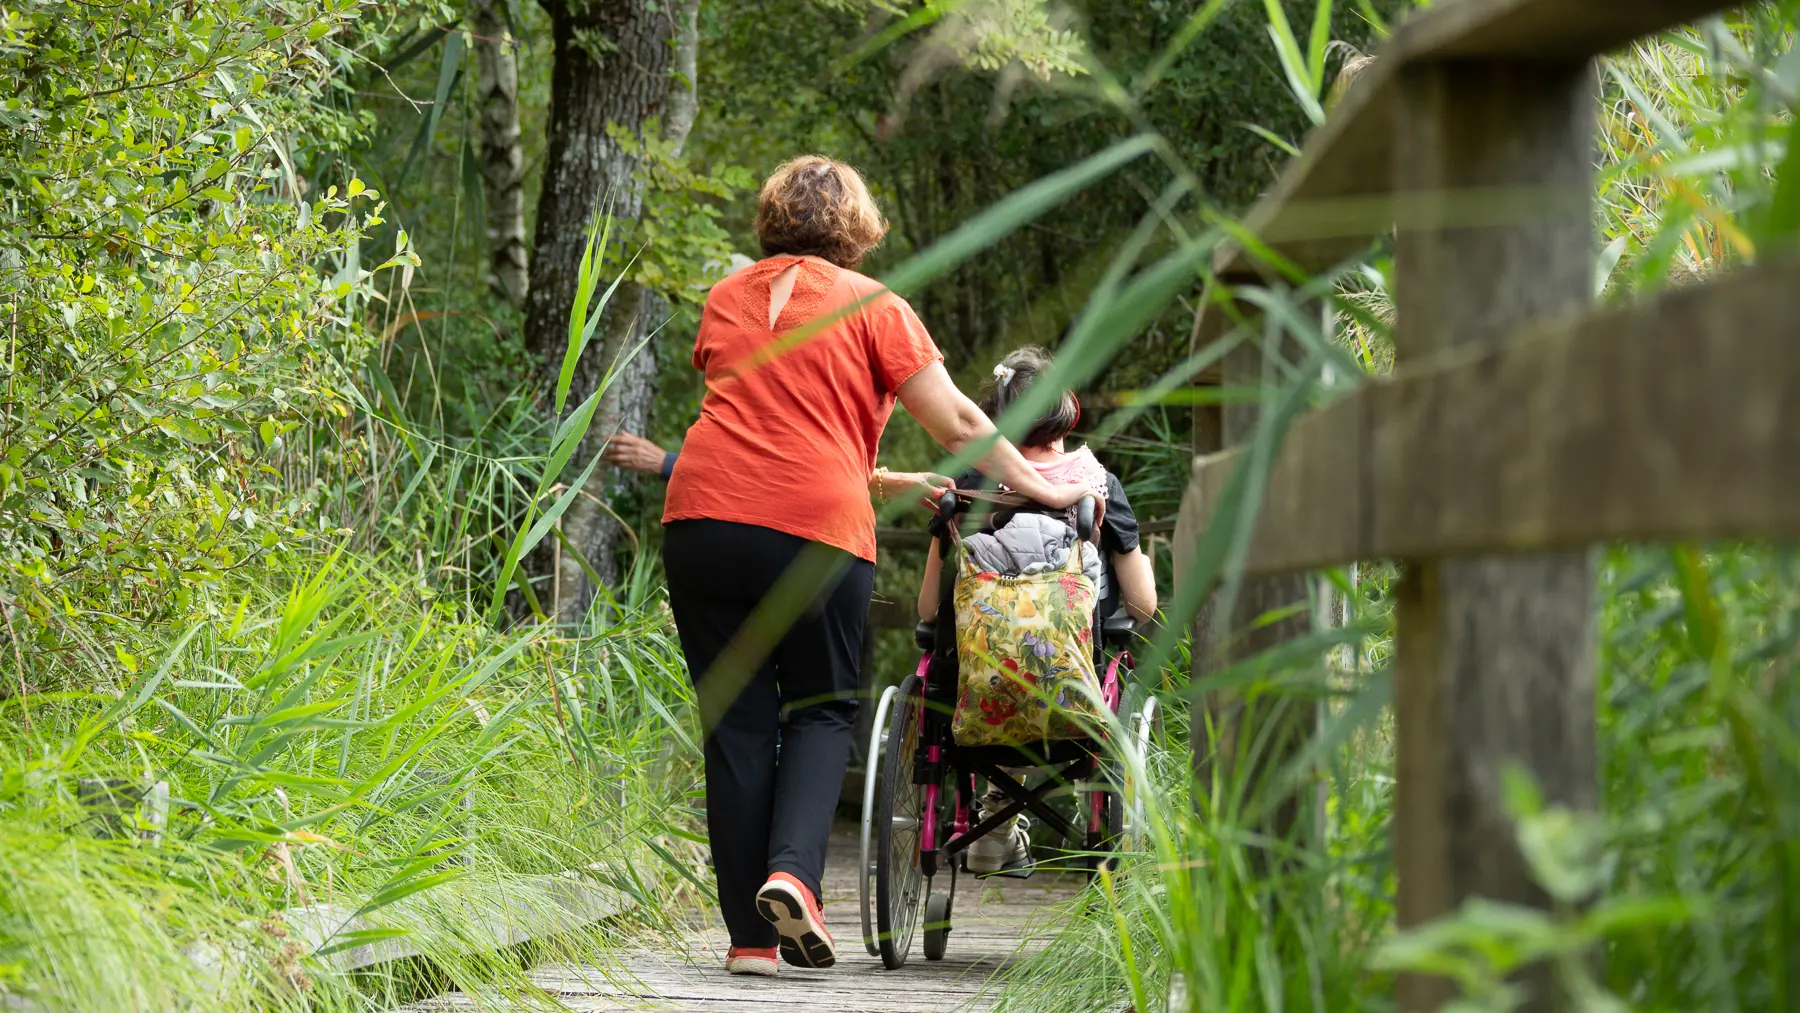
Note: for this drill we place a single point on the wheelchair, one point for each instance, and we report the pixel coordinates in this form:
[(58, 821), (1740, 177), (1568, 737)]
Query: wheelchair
[(919, 783)]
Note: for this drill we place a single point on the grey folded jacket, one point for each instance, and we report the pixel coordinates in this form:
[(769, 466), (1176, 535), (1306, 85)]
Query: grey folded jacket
[(1032, 543)]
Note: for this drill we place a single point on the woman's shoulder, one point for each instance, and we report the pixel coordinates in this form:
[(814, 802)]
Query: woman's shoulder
[(871, 293)]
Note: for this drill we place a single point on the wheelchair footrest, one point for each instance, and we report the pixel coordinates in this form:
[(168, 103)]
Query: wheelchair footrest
[(1017, 870)]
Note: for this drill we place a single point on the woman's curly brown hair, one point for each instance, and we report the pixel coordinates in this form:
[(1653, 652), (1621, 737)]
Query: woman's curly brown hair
[(815, 206)]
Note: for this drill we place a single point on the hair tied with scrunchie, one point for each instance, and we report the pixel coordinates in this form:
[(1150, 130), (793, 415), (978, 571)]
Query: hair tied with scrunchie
[(1003, 373)]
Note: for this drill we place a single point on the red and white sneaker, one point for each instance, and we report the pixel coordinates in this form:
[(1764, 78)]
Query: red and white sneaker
[(752, 960), (798, 919)]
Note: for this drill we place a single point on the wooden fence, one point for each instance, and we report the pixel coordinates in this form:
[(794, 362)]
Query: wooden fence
[(1518, 429)]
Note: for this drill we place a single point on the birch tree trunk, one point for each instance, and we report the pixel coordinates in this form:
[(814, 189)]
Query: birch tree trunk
[(502, 160), (622, 63)]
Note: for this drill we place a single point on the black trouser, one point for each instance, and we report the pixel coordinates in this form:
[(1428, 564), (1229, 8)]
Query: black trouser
[(762, 816)]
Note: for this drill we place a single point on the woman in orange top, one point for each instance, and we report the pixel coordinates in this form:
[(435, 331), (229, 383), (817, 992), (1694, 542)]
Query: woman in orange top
[(781, 467)]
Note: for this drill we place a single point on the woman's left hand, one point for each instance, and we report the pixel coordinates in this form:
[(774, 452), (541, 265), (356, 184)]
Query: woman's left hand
[(924, 485)]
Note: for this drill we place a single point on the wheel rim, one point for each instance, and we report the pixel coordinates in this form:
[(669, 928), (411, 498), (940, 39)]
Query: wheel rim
[(1136, 818), (901, 885), (865, 883)]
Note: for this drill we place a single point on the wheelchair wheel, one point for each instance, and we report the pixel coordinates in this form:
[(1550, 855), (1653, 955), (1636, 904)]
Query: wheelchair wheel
[(865, 880), (937, 925), (1141, 727), (900, 884), (1123, 825)]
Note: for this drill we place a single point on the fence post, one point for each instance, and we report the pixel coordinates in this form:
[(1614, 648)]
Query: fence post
[(1494, 656)]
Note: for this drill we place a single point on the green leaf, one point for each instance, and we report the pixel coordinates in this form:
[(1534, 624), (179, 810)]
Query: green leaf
[(1293, 62), (1782, 225), (1286, 146), (1520, 791), (1616, 915), (587, 280), (1319, 43), (1704, 625), (361, 937), (449, 69), (398, 891), (542, 527)]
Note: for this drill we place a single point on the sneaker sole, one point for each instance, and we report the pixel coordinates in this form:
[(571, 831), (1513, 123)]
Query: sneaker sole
[(983, 863), (755, 966), (804, 942)]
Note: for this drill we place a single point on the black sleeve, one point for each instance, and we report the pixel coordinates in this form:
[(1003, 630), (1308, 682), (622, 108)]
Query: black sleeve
[(1119, 528)]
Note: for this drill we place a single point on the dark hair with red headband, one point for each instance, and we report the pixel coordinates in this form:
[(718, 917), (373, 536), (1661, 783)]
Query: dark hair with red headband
[(1012, 378)]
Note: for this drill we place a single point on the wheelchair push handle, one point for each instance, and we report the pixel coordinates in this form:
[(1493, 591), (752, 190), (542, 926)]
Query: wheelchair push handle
[(1084, 519), (955, 501)]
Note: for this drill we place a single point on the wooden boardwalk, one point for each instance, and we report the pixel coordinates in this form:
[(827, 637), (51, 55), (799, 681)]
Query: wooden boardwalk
[(995, 921)]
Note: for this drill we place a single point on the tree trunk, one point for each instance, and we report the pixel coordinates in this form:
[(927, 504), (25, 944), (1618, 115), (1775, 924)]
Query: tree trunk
[(621, 63), (502, 160)]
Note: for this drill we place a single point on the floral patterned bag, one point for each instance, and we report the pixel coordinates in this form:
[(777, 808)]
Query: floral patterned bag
[(1024, 648)]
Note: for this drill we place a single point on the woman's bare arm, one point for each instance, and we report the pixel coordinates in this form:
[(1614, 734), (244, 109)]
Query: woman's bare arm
[(928, 588), (1137, 584), (954, 422)]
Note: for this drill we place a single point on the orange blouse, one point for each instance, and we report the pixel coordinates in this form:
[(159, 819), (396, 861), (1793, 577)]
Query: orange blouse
[(788, 429)]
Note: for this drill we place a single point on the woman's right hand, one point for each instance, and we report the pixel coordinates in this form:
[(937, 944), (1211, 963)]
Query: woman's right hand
[(1064, 496)]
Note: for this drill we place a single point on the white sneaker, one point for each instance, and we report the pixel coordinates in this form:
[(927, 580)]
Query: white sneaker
[(1004, 846)]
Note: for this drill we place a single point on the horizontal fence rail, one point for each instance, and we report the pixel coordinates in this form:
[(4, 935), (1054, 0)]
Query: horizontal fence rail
[(1675, 419)]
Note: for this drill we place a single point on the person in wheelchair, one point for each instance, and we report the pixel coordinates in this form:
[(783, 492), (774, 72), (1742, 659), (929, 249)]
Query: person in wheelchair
[(1026, 539)]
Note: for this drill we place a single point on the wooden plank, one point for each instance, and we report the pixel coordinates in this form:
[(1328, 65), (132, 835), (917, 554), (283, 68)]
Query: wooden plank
[(1676, 419), (463, 917), (1494, 655), (1335, 198), (995, 922)]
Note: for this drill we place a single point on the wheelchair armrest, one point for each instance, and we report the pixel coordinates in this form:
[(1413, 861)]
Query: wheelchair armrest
[(1119, 628), (925, 634)]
